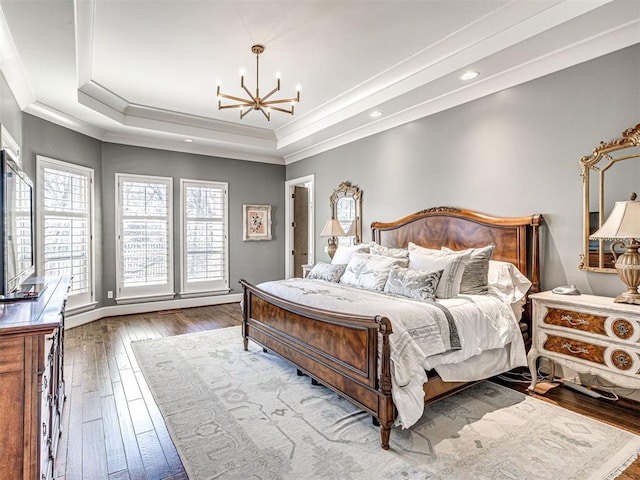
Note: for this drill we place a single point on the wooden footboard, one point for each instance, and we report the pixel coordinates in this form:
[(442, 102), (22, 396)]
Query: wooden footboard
[(337, 350)]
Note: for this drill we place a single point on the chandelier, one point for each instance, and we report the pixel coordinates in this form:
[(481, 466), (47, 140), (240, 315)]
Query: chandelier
[(255, 102)]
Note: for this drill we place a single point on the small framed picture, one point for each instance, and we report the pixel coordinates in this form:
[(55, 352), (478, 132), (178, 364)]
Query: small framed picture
[(256, 222)]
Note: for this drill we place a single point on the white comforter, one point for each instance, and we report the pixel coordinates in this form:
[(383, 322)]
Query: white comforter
[(423, 337)]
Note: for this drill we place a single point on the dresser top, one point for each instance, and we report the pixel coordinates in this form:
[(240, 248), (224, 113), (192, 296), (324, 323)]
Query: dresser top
[(587, 301), (37, 315)]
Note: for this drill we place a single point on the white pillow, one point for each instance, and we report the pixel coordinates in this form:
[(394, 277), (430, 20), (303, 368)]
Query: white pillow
[(345, 252), (370, 271), (508, 283), (452, 264)]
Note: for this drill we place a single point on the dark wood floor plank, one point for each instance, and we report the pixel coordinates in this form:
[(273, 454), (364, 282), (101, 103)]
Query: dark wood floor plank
[(94, 458), (73, 469), (153, 457), (140, 416), (116, 457), (129, 440)]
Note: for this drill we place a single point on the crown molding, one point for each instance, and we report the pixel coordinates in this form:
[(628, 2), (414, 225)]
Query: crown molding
[(11, 67), (571, 55)]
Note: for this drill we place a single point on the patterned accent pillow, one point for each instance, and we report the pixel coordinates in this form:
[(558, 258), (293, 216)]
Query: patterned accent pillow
[(370, 271), (474, 278), (344, 252), (376, 249), (327, 272), (413, 283), (453, 265)]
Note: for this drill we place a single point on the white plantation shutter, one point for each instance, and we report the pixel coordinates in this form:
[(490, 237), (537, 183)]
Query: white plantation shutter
[(145, 260), (65, 193), (204, 236)]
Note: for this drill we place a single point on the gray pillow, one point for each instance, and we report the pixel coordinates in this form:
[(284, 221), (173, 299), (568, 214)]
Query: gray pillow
[(327, 272), (414, 284), (474, 277), (370, 271)]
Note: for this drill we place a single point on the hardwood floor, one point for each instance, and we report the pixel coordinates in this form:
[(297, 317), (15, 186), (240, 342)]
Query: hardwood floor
[(112, 428)]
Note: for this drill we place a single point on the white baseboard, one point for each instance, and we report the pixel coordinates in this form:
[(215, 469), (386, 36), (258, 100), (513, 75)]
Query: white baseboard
[(111, 311)]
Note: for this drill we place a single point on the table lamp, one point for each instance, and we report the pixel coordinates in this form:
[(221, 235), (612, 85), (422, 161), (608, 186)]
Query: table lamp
[(624, 224), (332, 229)]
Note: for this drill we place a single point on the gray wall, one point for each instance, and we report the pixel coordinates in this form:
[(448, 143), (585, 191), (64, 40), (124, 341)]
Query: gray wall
[(10, 114), (249, 182), (53, 141), (509, 154)]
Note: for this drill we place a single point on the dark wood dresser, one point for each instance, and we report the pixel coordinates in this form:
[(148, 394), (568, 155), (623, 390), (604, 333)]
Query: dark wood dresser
[(32, 382)]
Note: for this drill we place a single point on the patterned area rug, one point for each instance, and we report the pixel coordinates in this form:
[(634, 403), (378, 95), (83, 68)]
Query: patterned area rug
[(247, 415)]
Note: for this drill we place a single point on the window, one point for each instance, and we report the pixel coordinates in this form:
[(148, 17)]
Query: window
[(65, 226), (144, 236), (204, 237)]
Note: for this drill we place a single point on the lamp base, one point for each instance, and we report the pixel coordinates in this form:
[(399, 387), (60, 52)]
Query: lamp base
[(332, 246), (628, 297)]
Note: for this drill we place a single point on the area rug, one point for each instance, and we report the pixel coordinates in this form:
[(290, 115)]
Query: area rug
[(247, 415)]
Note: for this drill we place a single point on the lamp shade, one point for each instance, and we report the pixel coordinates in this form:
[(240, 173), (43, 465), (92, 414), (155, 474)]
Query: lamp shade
[(623, 222), (352, 230), (332, 229)]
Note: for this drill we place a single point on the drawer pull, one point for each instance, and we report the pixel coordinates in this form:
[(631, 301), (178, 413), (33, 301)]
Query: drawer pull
[(569, 319), (44, 429), (570, 348)]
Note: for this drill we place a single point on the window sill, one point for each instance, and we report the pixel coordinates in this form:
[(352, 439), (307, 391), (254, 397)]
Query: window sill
[(144, 298)]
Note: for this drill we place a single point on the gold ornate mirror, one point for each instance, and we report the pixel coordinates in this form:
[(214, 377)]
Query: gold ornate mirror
[(346, 207), (609, 174)]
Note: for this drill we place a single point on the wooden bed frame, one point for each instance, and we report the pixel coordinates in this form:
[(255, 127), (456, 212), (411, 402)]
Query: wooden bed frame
[(341, 351)]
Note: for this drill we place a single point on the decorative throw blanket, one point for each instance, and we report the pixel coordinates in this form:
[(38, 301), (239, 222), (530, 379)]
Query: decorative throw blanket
[(420, 329)]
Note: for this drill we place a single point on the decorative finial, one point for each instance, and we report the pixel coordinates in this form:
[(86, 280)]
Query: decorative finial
[(633, 196)]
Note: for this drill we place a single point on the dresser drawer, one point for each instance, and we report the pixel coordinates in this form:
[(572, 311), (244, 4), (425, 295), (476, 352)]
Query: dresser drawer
[(11, 355), (615, 327), (623, 360)]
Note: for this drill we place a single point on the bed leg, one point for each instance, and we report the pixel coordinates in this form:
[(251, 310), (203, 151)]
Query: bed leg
[(299, 372), (265, 350), (375, 421), (385, 433), (314, 382), (245, 341)]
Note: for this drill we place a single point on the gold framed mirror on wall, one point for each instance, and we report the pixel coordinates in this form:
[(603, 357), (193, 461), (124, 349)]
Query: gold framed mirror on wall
[(346, 207), (609, 175)]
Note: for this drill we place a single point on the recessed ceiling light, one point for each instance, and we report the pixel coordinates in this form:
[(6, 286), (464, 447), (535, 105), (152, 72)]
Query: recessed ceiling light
[(188, 140), (375, 114), (469, 75)]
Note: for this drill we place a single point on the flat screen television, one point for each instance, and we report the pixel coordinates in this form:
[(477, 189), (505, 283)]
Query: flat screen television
[(16, 230)]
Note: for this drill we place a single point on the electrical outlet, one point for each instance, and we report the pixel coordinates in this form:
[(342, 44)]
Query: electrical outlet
[(326, 249), (110, 294)]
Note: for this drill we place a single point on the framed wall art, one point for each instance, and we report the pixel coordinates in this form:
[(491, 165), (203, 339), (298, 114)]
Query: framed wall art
[(256, 222)]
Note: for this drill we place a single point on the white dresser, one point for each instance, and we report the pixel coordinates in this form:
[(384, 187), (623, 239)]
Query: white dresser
[(589, 334)]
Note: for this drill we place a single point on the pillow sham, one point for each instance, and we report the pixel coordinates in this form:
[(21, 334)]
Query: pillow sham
[(327, 272), (344, 252), (413, 283), (376, 249), (452, 264), (475, 275), (370, 271), (508, 283)]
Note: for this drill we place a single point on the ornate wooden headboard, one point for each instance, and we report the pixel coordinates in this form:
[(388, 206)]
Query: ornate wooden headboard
[(517, 239)]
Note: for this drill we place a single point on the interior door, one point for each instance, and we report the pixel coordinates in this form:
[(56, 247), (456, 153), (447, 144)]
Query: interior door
[(300, 229)]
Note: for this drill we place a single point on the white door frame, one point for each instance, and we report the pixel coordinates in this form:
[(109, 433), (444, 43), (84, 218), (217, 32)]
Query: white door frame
[(307, 181)]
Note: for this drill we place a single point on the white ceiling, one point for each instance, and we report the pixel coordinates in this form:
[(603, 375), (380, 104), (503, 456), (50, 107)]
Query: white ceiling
[(144, 72)]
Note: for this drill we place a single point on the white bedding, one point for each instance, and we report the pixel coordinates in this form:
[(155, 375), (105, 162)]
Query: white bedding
[(488, 339)]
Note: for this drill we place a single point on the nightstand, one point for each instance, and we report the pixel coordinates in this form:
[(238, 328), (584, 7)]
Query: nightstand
[(589, 334), (306, 269)]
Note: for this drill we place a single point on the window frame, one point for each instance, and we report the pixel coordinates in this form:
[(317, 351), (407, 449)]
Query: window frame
[(76, 301), (162, 291), (207, 286)]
